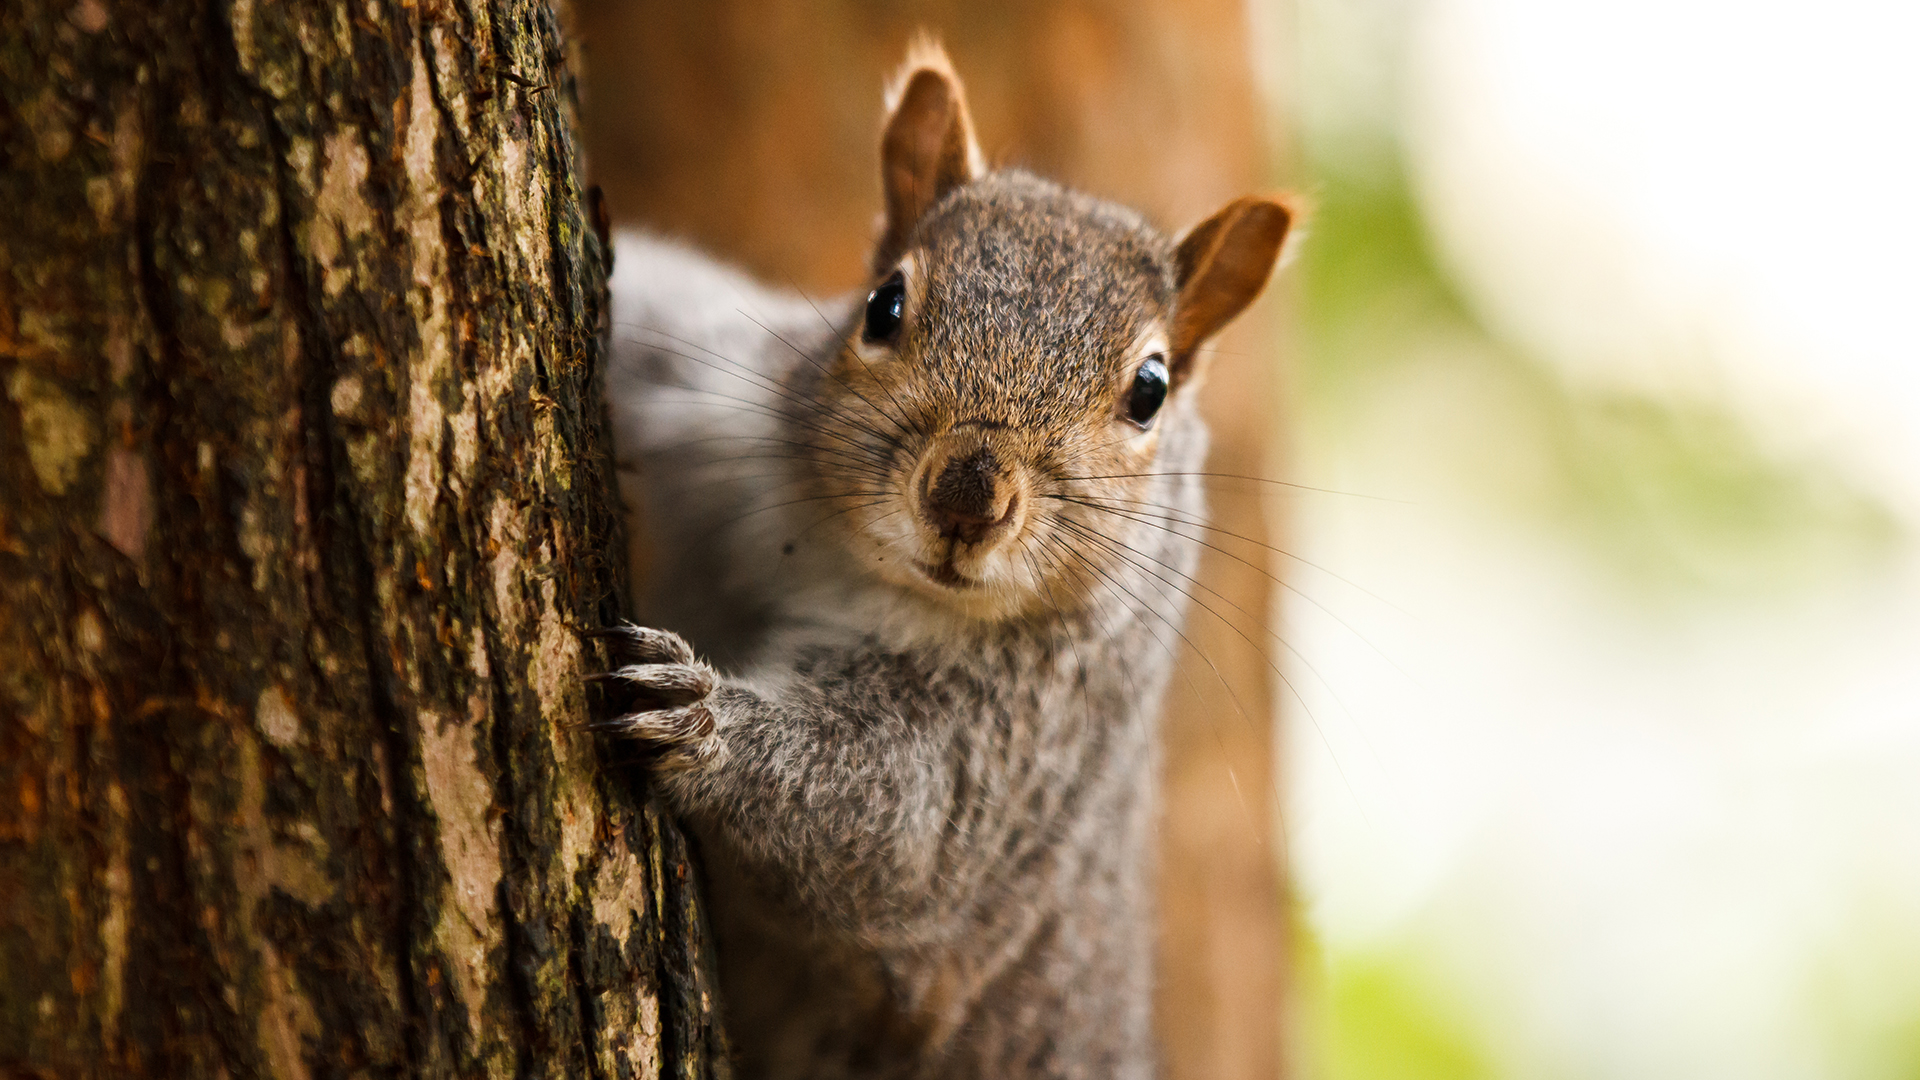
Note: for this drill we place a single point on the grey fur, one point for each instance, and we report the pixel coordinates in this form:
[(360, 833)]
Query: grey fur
[(927, 820)]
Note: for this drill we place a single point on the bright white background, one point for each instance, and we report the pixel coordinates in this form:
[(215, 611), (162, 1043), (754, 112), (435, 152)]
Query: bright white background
[(1618, 788)]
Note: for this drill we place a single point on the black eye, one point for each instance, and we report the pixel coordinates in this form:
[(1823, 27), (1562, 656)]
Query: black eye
[(885, 308), (1148, 392)]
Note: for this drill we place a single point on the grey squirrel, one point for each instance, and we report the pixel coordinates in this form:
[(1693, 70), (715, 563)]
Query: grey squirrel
[(920, 541)]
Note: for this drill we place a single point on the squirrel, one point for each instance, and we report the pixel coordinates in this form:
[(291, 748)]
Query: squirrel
[(922, 542)]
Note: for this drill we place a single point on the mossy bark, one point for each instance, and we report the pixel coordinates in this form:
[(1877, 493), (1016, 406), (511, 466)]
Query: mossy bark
[(304, 501)]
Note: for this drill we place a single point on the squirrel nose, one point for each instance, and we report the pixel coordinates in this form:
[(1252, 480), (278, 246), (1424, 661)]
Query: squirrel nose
[(969, 498)]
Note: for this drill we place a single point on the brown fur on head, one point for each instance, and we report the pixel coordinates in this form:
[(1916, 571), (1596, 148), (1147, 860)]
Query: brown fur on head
[(979, 427)]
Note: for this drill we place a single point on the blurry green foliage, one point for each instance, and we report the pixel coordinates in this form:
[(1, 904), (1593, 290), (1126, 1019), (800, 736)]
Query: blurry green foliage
[(1369, 281), (1673, 497), (1864, 991), (1383, 1020), (1680, 497)]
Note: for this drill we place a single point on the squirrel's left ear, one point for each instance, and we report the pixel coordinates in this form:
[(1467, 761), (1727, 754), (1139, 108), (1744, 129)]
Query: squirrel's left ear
[(928, 149), (1222, 264)]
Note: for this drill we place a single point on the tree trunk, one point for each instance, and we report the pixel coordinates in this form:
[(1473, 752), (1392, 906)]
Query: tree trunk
[(304, 500)]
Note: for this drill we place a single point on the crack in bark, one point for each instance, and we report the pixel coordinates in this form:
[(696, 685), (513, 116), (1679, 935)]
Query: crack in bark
[(192, 980), (329, 503), (520, 962)]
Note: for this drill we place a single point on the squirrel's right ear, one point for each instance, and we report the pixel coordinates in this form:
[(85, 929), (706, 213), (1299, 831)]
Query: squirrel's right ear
[(1222, 264), (928, 149)]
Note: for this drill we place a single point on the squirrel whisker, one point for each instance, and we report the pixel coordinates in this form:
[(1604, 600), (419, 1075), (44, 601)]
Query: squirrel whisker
[(934, 603)]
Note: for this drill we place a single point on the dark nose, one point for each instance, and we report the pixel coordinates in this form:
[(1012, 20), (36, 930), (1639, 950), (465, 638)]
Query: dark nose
[(969, 497)]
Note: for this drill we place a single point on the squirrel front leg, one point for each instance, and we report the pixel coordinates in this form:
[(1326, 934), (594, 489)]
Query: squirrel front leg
[(834, 801)]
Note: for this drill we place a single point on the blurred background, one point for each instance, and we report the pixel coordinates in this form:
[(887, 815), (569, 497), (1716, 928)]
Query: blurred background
[(1597, 645), (1610, 763)]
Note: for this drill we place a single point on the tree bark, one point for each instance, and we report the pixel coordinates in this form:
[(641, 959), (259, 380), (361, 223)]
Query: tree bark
[(304, 500)]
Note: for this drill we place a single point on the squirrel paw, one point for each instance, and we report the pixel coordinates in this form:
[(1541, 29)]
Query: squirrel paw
[(657, 695)]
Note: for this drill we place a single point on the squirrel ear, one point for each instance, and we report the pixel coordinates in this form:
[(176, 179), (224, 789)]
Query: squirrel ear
[(1222, 264), (928, 149)]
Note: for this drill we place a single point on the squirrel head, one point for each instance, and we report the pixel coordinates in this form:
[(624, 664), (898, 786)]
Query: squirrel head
[(1025, 366)]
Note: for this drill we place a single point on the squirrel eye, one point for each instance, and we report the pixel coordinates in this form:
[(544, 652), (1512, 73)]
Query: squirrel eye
[(1148, 392), (885, 308)]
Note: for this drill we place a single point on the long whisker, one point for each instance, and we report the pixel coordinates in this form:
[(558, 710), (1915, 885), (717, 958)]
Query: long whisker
[(805, 405), (840, 334), (1101, 539), (861, 459), (1079, 662), (1127, 515), (1252, 479), (1138, 605), (1127, 553), (853, 509), (740, 404), (1352, 718), (1187, 519), (745, 373), (898, 424), (708, 534), (845, 459)]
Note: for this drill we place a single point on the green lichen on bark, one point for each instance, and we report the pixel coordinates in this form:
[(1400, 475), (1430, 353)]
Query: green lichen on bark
[(303, 502)]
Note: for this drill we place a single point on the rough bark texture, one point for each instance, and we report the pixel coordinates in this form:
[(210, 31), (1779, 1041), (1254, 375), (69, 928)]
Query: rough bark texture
[(303, 500), (751, 127)]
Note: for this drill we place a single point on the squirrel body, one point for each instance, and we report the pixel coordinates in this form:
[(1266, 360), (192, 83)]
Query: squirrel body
[(929, 547)]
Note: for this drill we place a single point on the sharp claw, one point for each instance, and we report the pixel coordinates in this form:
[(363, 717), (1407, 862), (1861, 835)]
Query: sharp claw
[(640, 641)]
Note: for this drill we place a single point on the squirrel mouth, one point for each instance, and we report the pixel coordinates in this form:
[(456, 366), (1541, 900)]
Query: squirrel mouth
[(945, 574)]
